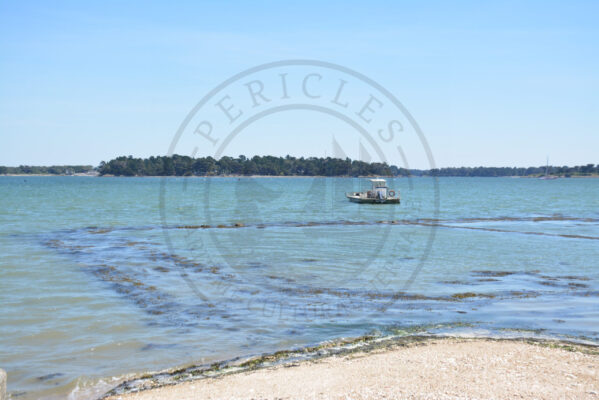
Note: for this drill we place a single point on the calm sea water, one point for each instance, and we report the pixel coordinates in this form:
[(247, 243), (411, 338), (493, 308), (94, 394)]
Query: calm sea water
[(103, 278)]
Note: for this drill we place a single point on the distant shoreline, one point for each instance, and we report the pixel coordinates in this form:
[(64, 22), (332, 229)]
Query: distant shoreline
[(292, 176), (83, 174), (288, 166)]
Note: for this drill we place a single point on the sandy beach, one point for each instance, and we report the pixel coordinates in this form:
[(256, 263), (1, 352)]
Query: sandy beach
[(435, 369)]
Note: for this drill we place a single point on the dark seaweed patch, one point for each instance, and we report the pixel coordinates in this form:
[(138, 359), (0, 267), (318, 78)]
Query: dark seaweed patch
[(475, 228), (467, 295), (122, 277), (576, 285), (549, 283), (590, 293), (126, 282), (99, 231), (445, 223), (493, 273), (156, 346), (256, 264), (460, 296), (523, 294), (549, 278), (574, 278), (49, 376)]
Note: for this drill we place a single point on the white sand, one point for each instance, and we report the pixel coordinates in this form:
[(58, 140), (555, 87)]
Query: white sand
[(441, 369)]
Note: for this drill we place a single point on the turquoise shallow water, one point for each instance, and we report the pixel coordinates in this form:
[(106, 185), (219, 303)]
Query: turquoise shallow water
[(105, 277)]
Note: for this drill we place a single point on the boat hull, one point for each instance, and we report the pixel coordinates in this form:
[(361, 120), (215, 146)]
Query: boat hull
[(371, 200)]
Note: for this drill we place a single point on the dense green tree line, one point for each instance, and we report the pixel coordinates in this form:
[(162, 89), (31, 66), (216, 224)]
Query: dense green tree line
[(312, 166), (257, 165), (283, 166)]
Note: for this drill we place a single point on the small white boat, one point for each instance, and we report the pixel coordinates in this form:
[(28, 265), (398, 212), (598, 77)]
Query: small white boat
[(547, 176), (380, 194)]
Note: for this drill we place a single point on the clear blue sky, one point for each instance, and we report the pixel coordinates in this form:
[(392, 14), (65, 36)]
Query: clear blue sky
[(490, 83)]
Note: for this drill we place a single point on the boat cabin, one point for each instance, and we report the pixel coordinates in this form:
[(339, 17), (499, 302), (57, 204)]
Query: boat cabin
[(379, 188)]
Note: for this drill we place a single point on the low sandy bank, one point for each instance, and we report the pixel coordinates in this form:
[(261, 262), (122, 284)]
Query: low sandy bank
[(435, 369)]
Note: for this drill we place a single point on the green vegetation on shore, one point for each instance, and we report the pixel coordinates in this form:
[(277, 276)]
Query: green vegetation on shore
[(291, 166), (177, 165), (564, 171), (267, 165)]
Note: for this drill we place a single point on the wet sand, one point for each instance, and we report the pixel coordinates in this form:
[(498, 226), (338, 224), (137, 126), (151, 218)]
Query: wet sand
[(438, 368)]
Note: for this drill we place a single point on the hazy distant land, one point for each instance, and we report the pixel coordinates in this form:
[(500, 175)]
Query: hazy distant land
[(177, 165)]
